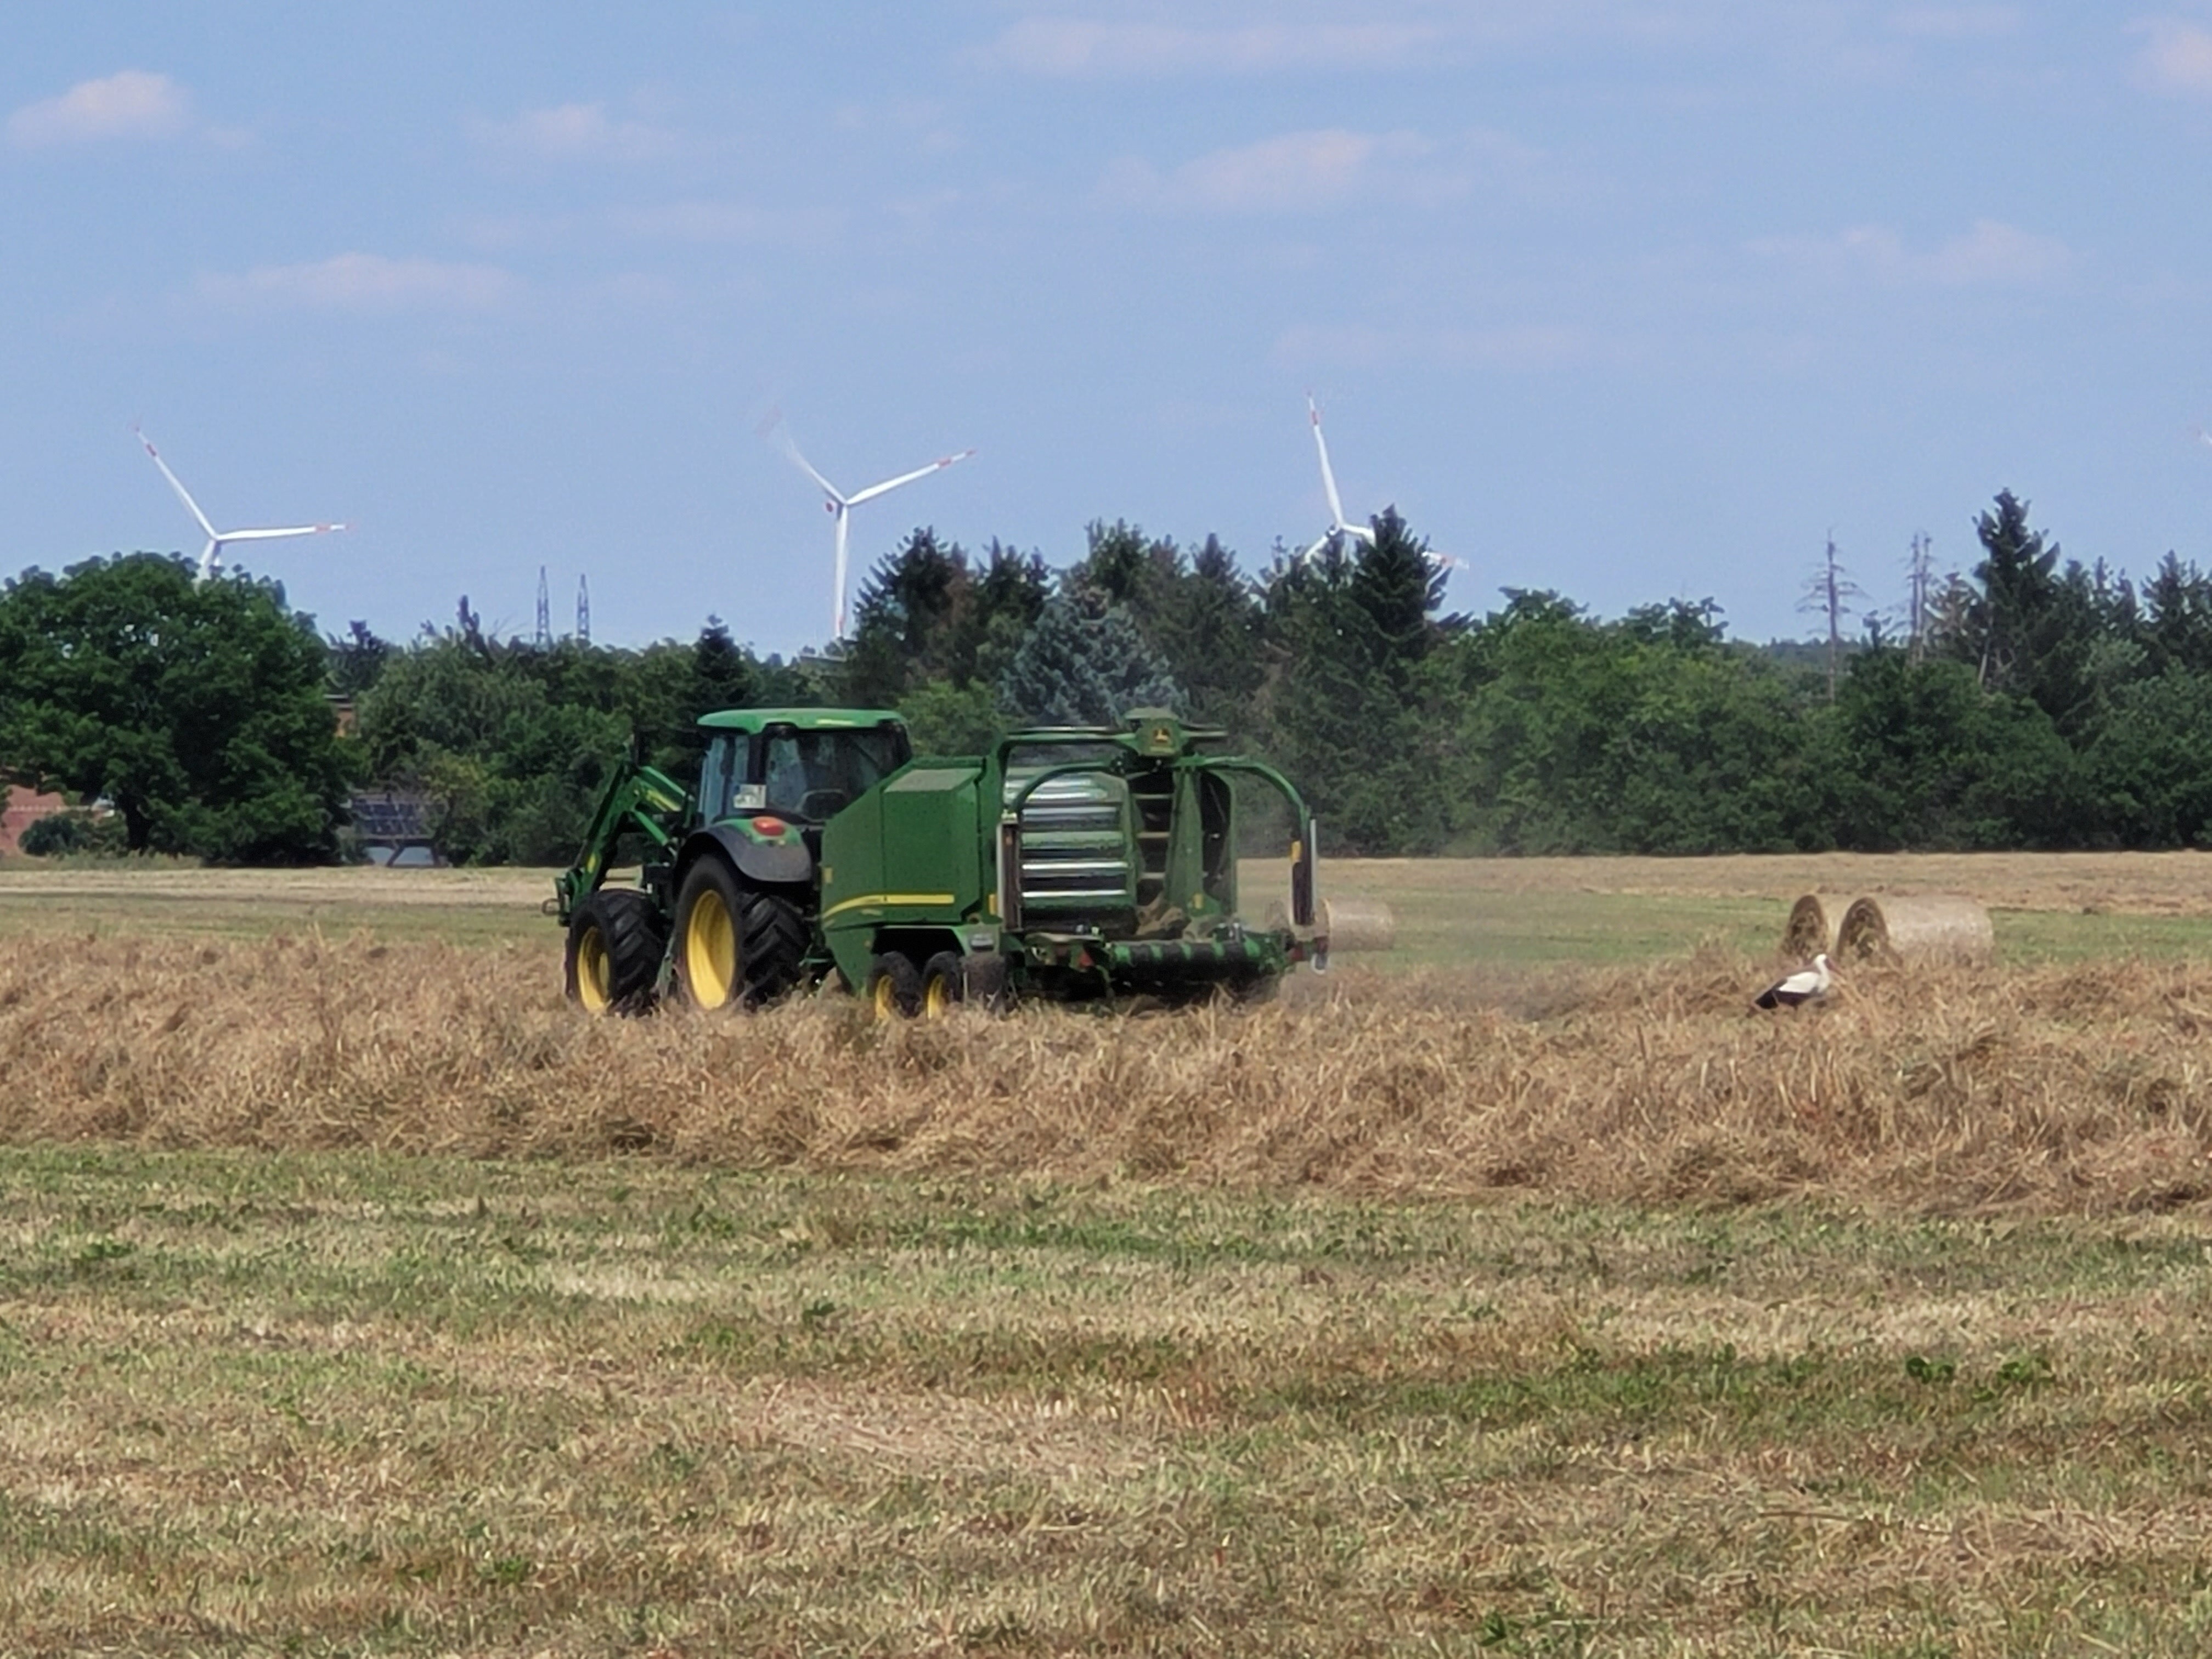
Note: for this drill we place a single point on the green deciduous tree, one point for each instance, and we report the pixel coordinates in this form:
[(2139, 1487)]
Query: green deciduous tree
[(511, 742), (1652, 734), (196, 709), (2150, 761), (1923, 756)]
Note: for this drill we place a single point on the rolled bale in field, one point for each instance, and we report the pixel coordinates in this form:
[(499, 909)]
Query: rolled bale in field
[(1358, 924), (1814, 922), (1921, 926)]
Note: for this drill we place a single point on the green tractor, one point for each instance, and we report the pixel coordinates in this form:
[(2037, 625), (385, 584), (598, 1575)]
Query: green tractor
[(1069, 864)]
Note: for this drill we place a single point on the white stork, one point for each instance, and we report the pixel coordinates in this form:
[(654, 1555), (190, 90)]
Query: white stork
[(1804, 986)]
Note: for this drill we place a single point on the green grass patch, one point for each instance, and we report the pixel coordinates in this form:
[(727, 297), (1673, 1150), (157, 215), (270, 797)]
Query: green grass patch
[(366, 1405)]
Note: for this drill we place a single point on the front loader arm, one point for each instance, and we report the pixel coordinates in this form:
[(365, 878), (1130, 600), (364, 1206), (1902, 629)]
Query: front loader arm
[(638, 798)]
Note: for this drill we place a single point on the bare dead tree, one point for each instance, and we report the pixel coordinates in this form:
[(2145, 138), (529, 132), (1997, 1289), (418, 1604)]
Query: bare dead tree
[(1829, 593), (1920, 576)]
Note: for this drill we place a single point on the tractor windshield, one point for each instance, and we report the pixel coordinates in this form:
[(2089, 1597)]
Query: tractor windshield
[(814, 775)]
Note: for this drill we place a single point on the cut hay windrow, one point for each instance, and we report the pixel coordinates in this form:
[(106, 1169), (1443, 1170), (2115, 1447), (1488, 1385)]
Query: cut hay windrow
[(2077, 1090)]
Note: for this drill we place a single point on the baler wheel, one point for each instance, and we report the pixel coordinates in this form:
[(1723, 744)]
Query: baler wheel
[(614, 952), (894, 989), (984, 983), (734, 946), (944, 985)]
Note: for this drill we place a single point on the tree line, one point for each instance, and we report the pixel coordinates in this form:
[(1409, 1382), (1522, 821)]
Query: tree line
[(2034, 703)]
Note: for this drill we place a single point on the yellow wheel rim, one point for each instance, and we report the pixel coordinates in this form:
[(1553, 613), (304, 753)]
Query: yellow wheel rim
[(594, 972), (885, 1001), (936, 997), (710, 951)]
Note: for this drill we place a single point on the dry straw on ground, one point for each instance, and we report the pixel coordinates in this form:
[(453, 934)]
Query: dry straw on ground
[(1941, 1088)]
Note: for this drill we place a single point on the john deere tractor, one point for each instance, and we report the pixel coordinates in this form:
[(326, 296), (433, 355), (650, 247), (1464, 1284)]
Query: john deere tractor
[(1068, 863)]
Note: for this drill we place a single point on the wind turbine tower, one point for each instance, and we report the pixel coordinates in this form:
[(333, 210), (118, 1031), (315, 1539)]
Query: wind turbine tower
[(840, 506)]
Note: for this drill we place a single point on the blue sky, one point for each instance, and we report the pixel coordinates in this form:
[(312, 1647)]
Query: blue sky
[(1630, 300)]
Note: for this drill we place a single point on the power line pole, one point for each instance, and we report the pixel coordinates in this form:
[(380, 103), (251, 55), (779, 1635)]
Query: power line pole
[(583, 610), (544, 614)]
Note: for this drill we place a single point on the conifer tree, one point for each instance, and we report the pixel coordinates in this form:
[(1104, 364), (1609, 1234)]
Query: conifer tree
[(1078, 667)]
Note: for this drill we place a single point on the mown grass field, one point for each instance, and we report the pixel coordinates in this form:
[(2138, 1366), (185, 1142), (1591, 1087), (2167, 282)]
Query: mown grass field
[(1452, 913), (355, 1404), (356, 1298)]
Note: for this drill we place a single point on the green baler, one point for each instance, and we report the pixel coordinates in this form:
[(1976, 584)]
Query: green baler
[(1067, 864)]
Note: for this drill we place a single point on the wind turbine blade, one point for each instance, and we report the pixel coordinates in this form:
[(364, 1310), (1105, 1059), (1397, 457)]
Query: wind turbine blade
[(782, 440), (889, 484), (209, 561), (272, 534), (837, 598), (183, 494), (1327, 476)]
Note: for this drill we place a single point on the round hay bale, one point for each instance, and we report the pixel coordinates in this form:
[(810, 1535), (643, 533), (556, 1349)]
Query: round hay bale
[(1897, 926), (1358, 923), (1814, 922)]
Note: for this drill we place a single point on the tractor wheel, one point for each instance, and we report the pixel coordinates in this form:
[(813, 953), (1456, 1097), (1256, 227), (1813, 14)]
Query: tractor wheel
[(943, 984), (734, 947), (894, 987), (615, 948)]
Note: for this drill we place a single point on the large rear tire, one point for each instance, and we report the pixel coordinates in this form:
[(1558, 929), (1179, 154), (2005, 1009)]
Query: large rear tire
[(615, 948), (735, 947)]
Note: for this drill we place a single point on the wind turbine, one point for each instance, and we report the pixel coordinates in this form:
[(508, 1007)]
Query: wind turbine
[(211, 556), (1337, 527), (840, 506)]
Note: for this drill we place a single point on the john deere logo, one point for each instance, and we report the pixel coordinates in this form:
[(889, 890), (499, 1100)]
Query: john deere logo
[(1163, 737)]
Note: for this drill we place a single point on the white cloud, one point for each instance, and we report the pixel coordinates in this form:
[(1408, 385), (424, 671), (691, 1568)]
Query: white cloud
[(578, 132), (1295, 172), (2178, 57), (1988, 254), (366, 282), (1083, 47), (132, 103)]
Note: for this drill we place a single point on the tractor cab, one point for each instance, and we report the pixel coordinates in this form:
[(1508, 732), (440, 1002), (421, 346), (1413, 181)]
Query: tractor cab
[(802, 765)]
